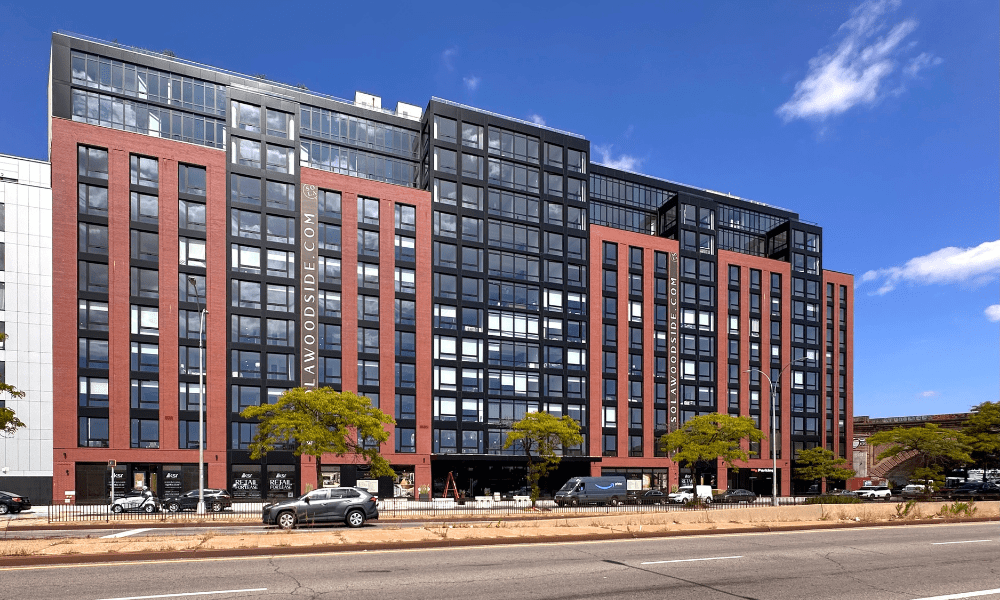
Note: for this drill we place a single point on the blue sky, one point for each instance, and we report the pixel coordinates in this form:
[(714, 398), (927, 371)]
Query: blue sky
[(878, 120)]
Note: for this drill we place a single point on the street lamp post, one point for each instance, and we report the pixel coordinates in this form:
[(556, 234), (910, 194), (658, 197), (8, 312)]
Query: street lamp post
[(774, 427), (201, 396)]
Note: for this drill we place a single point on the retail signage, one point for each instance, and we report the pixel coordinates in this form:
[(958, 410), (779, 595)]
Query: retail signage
[(308, 277), (172, 482), (673, 342), (245, 482), (118, 476), (279, 482)]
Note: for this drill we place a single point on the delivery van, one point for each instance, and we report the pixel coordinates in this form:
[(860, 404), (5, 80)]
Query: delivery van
[(592, 490)]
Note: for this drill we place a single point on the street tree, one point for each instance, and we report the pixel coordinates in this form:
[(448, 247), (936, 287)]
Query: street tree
[(322, 421), (542, 436), (9, 423), (708, 437), (935, 449), (820, 463), (983, 431)]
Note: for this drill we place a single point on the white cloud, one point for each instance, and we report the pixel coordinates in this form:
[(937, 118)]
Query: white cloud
[(925, 60), (448, 58), (947, 265), (856, 70), (624, 161), (537, 119), (993, 312), (471, 82), (929, 394)]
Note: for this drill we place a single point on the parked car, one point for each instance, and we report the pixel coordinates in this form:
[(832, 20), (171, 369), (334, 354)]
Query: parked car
[(974, 490), (137, 500), (736, 497), (353, 506), (842, 493), (13, 503), (652, 496), (914, 490), (215, 501), (686, 493), (875, 492)]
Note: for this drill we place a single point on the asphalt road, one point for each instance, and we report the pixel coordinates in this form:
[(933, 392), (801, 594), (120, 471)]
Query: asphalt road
[(892, 563)]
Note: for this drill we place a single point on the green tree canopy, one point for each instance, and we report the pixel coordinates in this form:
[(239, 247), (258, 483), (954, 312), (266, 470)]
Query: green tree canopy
[(541, 436), (935, 448), (983, 431), (708, 437), (820, 463), (9, 423), (319, 422)]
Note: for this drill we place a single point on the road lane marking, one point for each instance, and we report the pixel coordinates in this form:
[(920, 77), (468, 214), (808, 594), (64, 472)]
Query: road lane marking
[(962, 595), (663, 562), (125, 533), (188, 594), (963, 542)]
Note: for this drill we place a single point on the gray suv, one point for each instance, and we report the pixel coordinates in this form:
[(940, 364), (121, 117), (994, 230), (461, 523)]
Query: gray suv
[(353, 506)]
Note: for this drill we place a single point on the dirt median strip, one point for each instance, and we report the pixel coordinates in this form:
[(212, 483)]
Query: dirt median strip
[(385, 536)]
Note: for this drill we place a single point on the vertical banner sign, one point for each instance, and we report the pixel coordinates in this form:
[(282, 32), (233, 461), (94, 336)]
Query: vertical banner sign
[(673, 340), (309, 303)]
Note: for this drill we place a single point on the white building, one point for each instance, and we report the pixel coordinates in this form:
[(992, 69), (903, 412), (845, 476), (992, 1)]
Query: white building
[(26, 318)]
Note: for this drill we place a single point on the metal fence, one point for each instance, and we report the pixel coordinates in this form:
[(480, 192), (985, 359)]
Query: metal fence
[(402, 509), (97, 513)]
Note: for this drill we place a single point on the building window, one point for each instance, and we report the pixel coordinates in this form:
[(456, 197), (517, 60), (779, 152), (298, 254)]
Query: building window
[(191, 180), (406, 217), (279, 159), (280, 195), (367, 243), (93, 392), (406, 280), (192, 252), (280, 366), (405, 312), (145, 320), (189, 434), (145, 433), (609, 445), (246, 364), (93, 315), (246, 116), (368, 308), (245, 190), (145, 208), (329, 337), (329, 204), (145, 357), (246, 153), (144, 171), (191, 215), (368, 372), (277, 123), (92, 200), (406, 439), (367, 275), (445, 129), (92, 162), (367, 211), (93, 354), (330, 371), (280, 298), (93, 432)]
